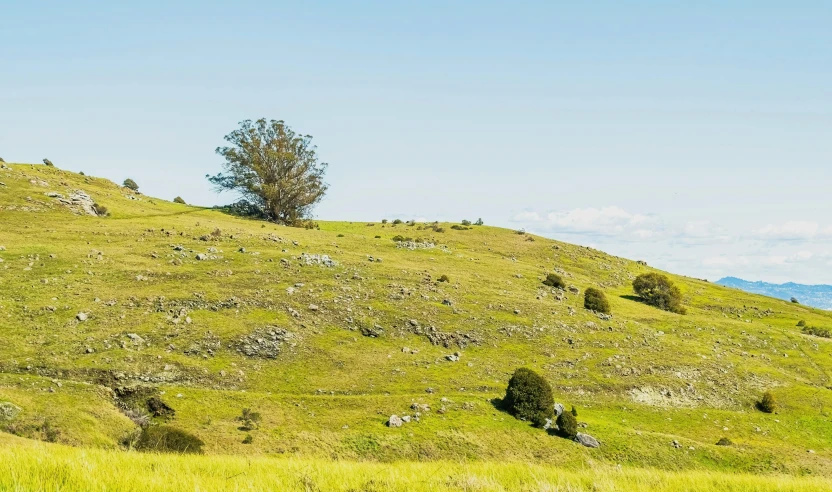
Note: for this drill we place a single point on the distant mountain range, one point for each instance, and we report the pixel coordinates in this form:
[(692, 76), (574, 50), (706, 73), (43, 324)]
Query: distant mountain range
[(819, 296)]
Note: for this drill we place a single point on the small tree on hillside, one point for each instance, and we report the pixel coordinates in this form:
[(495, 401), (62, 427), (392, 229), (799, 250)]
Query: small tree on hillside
[(529, 397), (48, 162), (595, 300), (274, 167), (768, 403), (129, 183), (567, 425), (179, 199), (657, 290)]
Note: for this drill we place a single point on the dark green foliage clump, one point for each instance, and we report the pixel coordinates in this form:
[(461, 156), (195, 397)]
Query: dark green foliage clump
[(48, 162), (158, 408), (574, 411), (554, 280), (129, 183), (458, 227), (657, 290), (179, 200), (167, 439), (724, 441), (340, 235), (479, 222), (378, 237), (595, 300), (529, 397), (444, 278), (466, 222), (567, 425), (248, 439), (244, 208), (801, 323), (795, 301), (817, 332), (397, 221), (249, 418), (101, 210), (383, 221), (398, 238), (767, 403)]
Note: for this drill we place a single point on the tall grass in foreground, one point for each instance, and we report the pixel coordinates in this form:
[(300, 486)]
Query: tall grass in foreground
[(59, 468)]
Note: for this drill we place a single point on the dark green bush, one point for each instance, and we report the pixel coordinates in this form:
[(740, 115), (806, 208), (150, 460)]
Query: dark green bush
[(794, 300), (166, 439), (129, 183), (658, 291), (101, 210), (567, 425), (249, 418), (817, 332), (529, 397), (458, 227), (378, 237), (595, 300), (466, 222), (48, 162), (340, 235), (383, 221), (554, 280), (179, 200), (248, 439), (397, 221), (767, 403), (574, 411), (479, 222), (724, 441), (398, 238), (444, 278)]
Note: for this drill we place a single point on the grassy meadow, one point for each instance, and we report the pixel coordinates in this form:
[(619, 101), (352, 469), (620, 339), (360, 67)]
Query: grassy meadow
[(170, 297)]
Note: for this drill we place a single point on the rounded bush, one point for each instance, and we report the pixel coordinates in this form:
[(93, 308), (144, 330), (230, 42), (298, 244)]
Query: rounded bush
[(567, 425), (129, 183), (529, 397), (179, 200), (768, 403), (554, 280), (658, 291), (595, 300)]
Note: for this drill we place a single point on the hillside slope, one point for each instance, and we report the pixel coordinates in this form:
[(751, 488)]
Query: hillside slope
[(219, 313)]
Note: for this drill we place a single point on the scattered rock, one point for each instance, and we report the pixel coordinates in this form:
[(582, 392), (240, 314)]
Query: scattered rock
[(558, 409), (587, 440), (81, 316), (8, 410), (323, 260), (374, 332), (676, 444), (264, 343), (201, 257), (394, 421)]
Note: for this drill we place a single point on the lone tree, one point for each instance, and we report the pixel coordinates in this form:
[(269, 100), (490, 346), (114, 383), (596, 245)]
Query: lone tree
[(657, 290), (270, 165), (129, 183), (529, 397)]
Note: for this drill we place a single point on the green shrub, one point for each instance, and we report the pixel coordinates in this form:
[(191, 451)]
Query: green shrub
[(479, 222), (397, 221), (129, 183), (466, 222), (595, 300), (574, 411), (48, 162), (817, 332), (166, 439), (444, 278), (724, 441), (340, 235), (378, 237), (383, 221), (554, 280), (657, 290), (398, 238), (567, 425), (794, 300), (767, 403), (248, 439), (179, 200), (249, 418), (529, 397), (101, 210), (458, 227)]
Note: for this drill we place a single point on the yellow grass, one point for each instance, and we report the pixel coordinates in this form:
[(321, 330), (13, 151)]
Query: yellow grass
[(28, 466)]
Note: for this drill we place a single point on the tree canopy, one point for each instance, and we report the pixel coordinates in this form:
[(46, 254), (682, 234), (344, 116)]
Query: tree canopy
[(273, 167)]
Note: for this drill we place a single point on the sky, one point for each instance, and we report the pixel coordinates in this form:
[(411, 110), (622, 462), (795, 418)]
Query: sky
[(696, 136)]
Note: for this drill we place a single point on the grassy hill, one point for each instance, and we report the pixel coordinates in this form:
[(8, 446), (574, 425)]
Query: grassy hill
[(212, 313)]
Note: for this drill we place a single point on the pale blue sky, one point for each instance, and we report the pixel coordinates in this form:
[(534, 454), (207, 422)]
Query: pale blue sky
[(695, 135)]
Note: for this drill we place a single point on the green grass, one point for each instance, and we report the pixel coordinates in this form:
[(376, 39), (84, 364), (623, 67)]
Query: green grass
[(640, 380)]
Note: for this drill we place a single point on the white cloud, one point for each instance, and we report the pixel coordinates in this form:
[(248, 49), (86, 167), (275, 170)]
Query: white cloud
[(796, 229), (606, 221)]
